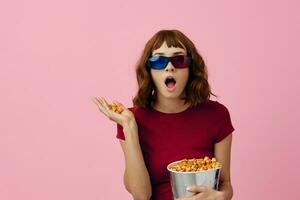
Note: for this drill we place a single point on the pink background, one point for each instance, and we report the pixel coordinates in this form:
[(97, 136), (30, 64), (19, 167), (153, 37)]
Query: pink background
[(55, 55)]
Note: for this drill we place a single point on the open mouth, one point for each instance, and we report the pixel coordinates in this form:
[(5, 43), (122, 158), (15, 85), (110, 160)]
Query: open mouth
[(170, 82)]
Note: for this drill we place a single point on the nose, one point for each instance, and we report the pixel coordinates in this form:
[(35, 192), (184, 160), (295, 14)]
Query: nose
[(169, 67)]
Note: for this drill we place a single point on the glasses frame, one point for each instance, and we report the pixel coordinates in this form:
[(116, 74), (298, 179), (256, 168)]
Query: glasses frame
[(163, 61)]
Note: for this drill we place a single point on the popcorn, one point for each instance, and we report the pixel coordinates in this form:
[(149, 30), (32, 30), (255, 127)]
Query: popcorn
[(115, 108), (195, 165)]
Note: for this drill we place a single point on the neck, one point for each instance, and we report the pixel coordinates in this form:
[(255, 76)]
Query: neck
[(169, 105)]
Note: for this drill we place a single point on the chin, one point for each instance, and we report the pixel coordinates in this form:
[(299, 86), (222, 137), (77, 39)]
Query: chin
[(172, 95)]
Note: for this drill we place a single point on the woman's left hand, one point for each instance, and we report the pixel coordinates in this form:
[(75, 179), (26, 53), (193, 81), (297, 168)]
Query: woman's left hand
[(203, 193)]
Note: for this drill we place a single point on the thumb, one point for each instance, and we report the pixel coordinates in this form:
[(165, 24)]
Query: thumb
[(196, 188)]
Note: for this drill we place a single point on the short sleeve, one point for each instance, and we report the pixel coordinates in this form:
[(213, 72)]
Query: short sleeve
[(225, 125), (120, 133)]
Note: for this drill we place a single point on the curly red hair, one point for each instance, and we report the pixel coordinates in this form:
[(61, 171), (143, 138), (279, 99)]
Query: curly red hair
[(197, 89)]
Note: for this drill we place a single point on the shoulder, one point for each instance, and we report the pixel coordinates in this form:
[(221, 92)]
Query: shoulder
[(222, 113), (217, 107), (140, 114), (216, 104)]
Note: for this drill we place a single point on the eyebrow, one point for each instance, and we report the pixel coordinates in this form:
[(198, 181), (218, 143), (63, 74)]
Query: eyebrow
[(175, 53)]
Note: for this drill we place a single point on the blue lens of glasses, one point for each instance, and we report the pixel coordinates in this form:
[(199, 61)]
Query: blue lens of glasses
[(157, 62)]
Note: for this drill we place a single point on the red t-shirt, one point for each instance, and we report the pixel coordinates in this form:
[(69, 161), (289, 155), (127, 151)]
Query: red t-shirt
[(168, 137)]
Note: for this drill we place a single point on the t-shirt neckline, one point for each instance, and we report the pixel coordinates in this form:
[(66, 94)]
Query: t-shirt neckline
[(177, 113)]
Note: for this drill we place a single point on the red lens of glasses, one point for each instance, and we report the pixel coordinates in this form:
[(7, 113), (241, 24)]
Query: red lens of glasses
[(180, 61)]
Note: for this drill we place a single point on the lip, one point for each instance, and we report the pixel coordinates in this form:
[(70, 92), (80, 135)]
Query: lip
[(172, 88), (170, 77)]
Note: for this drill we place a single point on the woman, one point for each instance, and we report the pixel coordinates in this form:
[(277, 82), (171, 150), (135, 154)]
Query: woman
[(172, 118)]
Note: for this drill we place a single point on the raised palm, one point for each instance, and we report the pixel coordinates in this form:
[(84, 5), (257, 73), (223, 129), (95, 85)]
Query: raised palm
[(121, 118)]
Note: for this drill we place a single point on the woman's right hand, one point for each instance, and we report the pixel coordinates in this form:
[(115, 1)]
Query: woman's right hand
[(124, 118)]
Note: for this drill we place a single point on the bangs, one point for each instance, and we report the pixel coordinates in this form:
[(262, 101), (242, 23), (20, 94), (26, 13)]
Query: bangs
[(171, 39), (197, 87)]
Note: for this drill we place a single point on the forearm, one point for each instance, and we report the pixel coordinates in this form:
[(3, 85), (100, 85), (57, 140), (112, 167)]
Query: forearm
[(226, 190), (137, 177)]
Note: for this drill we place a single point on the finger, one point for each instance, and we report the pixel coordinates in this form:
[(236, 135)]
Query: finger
[(186, 198), (106, 105), (111, 114), (95, 101), (102, 107), (104, 102), (196, 188)]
